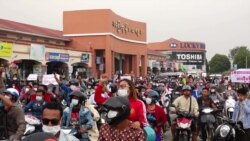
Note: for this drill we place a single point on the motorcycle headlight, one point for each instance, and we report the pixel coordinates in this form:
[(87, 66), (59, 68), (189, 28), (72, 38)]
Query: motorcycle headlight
[(224, 130)]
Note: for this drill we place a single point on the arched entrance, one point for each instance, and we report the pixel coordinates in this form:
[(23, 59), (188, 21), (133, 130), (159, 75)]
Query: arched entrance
[(59, 68), (81, 69), (22, 68)]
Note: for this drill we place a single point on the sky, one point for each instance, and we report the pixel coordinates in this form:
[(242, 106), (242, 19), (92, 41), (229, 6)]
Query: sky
[(220, 24)]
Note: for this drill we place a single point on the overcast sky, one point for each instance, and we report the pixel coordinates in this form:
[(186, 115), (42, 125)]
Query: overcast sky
[(220, 24)]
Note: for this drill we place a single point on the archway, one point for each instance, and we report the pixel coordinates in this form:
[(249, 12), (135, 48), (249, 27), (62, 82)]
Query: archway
[(81, 69), (59, 68)]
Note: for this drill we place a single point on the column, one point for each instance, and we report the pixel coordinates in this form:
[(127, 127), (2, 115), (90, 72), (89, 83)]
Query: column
[(108, 62), (144, 65), (135, 66)]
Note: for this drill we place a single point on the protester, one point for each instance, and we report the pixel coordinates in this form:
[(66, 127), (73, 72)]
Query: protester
[(119, 127)]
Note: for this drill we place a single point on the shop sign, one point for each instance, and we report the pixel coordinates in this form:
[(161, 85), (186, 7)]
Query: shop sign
[(85, 58), (189, 58), (125, 28), (37, 52), (62, 57), (49, 79), (192, 45), (6, 49)]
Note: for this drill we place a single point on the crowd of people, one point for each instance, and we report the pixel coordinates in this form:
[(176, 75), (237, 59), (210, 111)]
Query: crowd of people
[(129, 105)]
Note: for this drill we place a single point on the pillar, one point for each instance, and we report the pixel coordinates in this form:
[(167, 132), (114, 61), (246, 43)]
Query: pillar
[(135, 67), (144, 65)]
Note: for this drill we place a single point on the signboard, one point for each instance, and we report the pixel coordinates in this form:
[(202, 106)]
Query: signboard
[(49, 79), (126, 77), (52, 56), (32, 77), (85, 58), (189, 58), (240, 76), (37, 52), (5, 49)]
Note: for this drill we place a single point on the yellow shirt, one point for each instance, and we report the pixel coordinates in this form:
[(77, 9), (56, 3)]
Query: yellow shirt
[(183, 104)]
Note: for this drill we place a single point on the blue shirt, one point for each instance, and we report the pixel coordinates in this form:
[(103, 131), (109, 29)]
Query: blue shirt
[(246, 113)]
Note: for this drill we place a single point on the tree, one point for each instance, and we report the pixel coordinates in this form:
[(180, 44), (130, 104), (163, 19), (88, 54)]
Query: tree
[(219, 63), (242, 57), (233, 52)]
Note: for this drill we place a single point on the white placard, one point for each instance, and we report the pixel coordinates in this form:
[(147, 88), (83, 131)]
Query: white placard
[(126, 77), (49, 79), (32, 77), (240, 76)]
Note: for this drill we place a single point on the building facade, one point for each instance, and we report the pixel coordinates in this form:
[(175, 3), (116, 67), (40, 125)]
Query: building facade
[(117, 44)]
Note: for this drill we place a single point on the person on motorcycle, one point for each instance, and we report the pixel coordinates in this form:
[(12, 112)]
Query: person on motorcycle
[(118, 126), (14, 114), (183, 103), (204, 101), (36, 107), (241, 115), (230, 92), (51, 121), (138, 108), (214, 95), (78, 116), (155, 114)]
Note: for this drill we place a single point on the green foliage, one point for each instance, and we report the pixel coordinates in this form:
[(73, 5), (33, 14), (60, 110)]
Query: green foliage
[(219, 63), (241, 56)]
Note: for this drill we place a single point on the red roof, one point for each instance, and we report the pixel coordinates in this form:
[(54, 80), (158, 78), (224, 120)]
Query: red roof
[(21, 27)]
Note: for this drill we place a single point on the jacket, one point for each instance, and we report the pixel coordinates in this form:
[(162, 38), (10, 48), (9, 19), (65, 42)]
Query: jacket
[(35, 108), (15, 123), (246, 113), (85, 119)]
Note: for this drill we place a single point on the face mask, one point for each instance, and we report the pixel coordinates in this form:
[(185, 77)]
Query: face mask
[(229, 88), (122, 93), (212, 90), (148, 100), (51, 129), (74, 102), (72, 87), (39, 98), (14, 78), (27, 89), (35, 89), (112, 114)]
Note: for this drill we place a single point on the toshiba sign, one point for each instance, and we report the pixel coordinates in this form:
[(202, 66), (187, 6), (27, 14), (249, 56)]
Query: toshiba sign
[(189, 58)]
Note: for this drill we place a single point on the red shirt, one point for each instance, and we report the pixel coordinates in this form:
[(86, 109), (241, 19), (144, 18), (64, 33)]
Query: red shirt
[(99, 98), (160, 117), (138, 111)]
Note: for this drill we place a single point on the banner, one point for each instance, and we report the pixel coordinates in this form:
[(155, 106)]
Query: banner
[(49, 79), (240, 76), (32, 77), (189, 58), (37, 52), (5, 49)]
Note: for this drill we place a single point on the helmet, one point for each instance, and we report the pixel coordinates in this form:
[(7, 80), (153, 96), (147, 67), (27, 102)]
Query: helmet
[(13, 92), (150, 133), (186, 87), (118, 109), (154, 95)]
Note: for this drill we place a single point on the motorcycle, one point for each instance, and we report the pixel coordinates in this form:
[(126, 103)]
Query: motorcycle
[(229, 106), (227, 130), (208, 119), (183, 130), (33, 125)]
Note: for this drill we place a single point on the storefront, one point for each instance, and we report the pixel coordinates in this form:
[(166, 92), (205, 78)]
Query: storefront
[(117, 44), (182, 55)]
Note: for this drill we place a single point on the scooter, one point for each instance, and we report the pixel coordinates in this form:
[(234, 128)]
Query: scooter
[(227, 130), (229, 106), (208, 119)]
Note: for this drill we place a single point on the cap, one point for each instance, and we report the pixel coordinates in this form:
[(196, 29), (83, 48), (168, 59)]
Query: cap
[(186, 87)]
